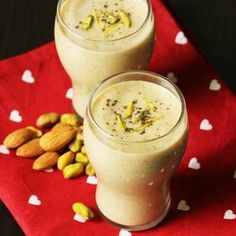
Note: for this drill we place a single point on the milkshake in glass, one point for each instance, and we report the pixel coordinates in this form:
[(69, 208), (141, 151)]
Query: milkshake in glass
[(96, 39), (135, 134)]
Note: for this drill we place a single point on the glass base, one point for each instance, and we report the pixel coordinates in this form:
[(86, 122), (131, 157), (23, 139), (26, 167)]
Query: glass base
[(143, 226)]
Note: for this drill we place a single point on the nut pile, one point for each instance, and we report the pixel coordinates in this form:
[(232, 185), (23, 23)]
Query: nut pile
[(58, 140)]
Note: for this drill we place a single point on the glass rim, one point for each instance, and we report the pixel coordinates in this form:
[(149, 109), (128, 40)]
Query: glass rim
[(138, 72), (76, 35)]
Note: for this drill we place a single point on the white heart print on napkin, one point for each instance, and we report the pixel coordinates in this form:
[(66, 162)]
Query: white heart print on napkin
[(206, 125), (124, 232), (77, 217), (34, 200), (28, 77), (235, 174), (194, 164), (69, 93), (181, 38), (15, 116), (229, 215), (183, 206), (4, 150), (92, 180), (215, 85), (50, 170)]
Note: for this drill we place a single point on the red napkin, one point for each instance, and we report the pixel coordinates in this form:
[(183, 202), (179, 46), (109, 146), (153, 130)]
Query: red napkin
[(204, 188)]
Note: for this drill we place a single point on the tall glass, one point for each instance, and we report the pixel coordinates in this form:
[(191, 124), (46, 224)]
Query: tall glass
[(89, 61), (134, 176)]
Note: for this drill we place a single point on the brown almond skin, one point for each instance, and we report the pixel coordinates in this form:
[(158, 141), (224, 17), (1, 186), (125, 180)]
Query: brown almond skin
[(18, 137), (57, 139), (45, 161), (30, 149), (48, 119)]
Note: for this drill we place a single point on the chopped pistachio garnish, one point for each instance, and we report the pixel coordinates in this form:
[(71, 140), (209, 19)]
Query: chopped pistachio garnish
[(129, 110), (107, 21), (141, 128), (88, 23), (120, 123), (97, 15), (141, 116), (125, 18), (149, 104), (98, 18), (108, 30), (106, 13), (112, 19)]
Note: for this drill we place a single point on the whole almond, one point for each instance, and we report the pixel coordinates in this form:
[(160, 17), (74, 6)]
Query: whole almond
[(45, 161), (48, 119), (57, 139), (30, 149), (18, 137)]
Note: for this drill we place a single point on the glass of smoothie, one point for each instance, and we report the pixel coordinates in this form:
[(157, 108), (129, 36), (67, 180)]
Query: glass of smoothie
[(135, 134), (97, 38)]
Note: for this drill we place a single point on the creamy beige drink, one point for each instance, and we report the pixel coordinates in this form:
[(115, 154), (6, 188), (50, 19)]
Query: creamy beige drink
[(135, 132), (96, 39)]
